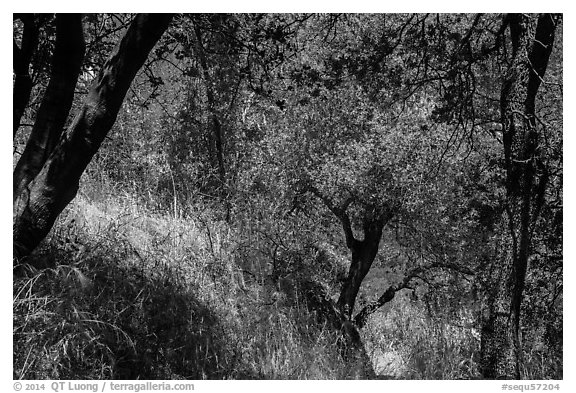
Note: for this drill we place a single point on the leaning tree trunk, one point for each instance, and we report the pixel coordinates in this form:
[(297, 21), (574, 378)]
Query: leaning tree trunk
[(38, 205), (532, 40), (57, 100), (22, 57)]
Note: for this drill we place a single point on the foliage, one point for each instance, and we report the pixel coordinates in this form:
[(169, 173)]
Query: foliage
[(210, 205)]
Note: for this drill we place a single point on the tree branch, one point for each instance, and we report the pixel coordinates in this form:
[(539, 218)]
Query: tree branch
[(340, 212), (362, 316)]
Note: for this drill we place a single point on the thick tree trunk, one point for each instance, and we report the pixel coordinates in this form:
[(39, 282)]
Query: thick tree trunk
[(57, 101), (532, 40), (39, 204), (363, 254), (22, 56), (500, 340), (350, 343)]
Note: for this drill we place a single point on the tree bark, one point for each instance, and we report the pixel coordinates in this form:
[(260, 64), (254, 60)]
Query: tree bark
[(363, 254), (57, 100), (532, 40), (22, 56), (349, 343), (41, 201)]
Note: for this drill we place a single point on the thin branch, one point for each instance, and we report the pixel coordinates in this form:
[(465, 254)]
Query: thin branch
[(362, 316)]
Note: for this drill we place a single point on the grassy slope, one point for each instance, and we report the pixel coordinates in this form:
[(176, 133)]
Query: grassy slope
[(134, 295), (130, 294)]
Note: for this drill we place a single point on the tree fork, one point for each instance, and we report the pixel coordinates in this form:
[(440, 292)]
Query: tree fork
[(41, 201), (57, 100), (363, 254)]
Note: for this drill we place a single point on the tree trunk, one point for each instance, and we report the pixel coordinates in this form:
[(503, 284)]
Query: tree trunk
[(349, 343), (532, 40), (39, 204), (57, 100), (363, 254), (500, 338), (22, 57)]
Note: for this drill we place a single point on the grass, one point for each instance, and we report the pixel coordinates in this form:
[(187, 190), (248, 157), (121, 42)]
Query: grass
[(412, 344), (132, 294)]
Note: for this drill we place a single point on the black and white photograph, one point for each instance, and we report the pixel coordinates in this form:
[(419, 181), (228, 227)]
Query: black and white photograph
[(287, 196)]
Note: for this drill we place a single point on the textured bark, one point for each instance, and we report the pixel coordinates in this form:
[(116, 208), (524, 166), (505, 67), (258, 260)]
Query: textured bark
[(40, 203), (532, 39), (22, 56), (500, 339), (363, 254), (57, 100)]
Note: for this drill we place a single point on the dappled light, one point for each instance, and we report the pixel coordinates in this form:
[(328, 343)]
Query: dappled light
[(288, 196)]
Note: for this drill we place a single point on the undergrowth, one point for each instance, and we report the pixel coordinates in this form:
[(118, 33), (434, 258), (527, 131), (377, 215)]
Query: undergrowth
[(126, 293), (129, 295)]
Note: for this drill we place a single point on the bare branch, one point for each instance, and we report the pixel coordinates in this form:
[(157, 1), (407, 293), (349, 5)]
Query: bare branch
[(362, 317)]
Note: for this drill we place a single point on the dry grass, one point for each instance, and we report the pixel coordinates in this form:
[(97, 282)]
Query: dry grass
[(410, 344), (130, 294)]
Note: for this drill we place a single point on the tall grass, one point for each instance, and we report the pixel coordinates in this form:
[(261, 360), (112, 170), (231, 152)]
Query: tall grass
[(408, 343), (129, 294)]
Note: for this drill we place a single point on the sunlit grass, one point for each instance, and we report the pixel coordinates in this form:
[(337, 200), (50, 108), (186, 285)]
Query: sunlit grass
[(127, 293)]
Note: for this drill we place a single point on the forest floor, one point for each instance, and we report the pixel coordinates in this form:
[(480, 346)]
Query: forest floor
[(128, 293)]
